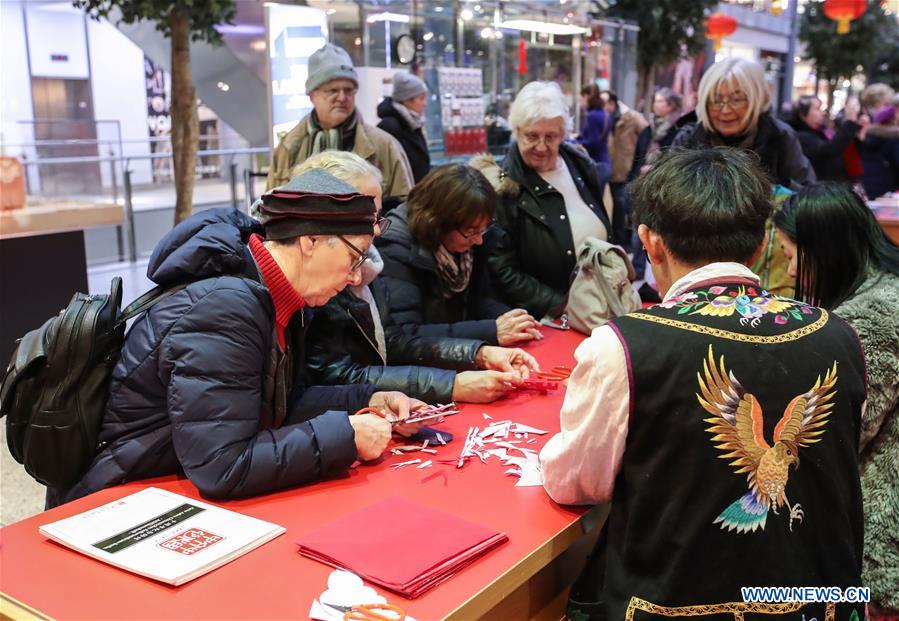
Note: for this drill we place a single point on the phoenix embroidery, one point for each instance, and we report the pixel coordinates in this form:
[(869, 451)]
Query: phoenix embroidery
[(736, 428)]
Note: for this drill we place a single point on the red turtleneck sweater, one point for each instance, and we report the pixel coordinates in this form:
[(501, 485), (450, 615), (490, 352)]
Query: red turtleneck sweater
[(287, 300)]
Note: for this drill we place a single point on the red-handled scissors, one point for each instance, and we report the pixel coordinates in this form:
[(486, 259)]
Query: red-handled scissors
[(374, 612)]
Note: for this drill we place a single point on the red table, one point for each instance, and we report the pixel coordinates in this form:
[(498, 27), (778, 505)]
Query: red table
[(525, 577)]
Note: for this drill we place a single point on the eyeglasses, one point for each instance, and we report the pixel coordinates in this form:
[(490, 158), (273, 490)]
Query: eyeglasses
[(360, 259), (737, 102), (347, 91), (480, 233), (532, 138), (383, 224)]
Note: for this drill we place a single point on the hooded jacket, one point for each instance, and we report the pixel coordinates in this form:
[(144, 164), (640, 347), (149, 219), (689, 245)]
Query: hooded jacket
[(412, 140), (197, 380), (416, 295)]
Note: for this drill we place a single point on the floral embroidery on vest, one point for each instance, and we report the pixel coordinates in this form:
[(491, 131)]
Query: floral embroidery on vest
[(750, 303), (737, 430)]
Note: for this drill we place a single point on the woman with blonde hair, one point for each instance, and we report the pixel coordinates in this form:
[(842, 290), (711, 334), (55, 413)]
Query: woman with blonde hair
[(734, 110)]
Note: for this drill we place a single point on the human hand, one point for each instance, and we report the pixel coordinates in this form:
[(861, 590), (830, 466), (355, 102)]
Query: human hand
[(517, 325), (397, 406), (506, 359), (484, 386), (371, 434)]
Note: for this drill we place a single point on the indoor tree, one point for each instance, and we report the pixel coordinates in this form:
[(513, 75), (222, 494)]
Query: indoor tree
[(181, 21)]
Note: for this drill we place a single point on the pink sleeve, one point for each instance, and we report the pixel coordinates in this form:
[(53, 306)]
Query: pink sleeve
[(580, 463)]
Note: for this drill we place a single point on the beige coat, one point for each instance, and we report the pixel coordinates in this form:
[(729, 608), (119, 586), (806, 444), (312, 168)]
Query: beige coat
[(623, 142), (372, 144)]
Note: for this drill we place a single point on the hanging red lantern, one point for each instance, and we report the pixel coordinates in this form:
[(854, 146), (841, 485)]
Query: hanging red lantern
[(522, 57), (717, 26), (844, 11)]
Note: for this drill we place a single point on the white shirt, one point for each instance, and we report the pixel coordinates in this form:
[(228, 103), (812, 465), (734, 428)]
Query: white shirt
[(584, 223), (580, 462)]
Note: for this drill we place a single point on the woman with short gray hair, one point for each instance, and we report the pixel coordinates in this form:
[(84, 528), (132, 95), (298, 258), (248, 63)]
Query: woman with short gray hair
[(550, 201), (734, 110)]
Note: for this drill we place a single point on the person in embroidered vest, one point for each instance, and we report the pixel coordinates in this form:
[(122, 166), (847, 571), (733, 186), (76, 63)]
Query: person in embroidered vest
[(210, 382), (351, 340), (334, 123), (860, 283), (692, 418)]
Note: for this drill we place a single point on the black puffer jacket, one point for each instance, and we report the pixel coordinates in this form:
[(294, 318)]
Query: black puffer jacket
[(343, 350), (532, 252), (826, 155), (775, 144), (416, 294), (194, 388), (412, 140)]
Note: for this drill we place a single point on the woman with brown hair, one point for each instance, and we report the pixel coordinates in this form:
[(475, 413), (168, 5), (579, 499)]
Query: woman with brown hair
[(433, 265)]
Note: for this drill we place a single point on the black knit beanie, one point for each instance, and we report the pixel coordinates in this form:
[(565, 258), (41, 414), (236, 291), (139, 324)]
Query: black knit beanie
[(316, 203)]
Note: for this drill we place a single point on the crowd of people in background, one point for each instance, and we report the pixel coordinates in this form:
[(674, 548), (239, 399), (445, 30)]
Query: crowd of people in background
[(426, 281)]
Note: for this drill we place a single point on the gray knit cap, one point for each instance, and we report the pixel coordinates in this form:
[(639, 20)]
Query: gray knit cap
[(406, 86), (329, 63)]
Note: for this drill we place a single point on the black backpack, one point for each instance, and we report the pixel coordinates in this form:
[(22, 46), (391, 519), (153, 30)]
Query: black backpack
[(55, 388)]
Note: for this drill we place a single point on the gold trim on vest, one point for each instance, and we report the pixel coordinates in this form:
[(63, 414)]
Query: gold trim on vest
[(795, 335)]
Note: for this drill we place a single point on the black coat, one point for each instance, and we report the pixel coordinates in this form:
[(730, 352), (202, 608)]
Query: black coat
[(775, 144), (416, 294), (194, 381), (532, 254), (343, 350), (412, 140), (826, 155)]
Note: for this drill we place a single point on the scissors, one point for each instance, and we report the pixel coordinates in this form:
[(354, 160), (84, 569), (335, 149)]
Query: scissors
[(429, 413), (374, 612), (556, 374)]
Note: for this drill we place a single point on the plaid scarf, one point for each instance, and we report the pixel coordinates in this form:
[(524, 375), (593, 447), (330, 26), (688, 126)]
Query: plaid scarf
[(454, 270), (340, 138)]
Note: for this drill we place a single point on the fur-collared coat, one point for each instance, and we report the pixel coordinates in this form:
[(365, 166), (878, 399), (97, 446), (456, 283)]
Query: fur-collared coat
[(874, 313)]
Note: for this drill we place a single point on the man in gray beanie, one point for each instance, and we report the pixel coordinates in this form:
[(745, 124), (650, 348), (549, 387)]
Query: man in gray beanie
[(402, 117), (334, 123)]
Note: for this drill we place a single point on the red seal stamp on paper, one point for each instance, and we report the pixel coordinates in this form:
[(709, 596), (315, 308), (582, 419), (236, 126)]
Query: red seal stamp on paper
[(190, 541)]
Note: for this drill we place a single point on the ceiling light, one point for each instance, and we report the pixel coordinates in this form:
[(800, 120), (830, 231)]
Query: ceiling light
[(258, 45), (466, 14), (428, 36), (543, 27), (223, 86), (387, 17)]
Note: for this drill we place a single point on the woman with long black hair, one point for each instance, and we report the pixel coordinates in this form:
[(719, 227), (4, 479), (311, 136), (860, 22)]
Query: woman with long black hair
[(843, 261)]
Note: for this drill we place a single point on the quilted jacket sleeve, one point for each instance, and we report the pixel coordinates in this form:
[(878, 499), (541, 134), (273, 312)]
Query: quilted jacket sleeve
[(212, 362)]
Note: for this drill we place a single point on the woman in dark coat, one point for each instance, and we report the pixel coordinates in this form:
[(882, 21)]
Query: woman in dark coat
[(210, 380), (734, 111), (550, 202), (433, 267), (825, 154), (402, 116)]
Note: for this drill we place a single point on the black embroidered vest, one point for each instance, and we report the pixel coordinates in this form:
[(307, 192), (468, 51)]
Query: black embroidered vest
[(740, 464)]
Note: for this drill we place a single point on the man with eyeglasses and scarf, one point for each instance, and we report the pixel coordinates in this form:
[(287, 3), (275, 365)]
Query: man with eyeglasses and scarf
[(335, 124)]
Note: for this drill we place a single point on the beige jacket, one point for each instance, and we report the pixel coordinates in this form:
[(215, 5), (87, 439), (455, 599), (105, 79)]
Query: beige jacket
[(374, 145), (623, 142)]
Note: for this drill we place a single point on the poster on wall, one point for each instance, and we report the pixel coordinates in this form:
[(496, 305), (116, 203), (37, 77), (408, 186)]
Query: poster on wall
[(682, 76), (159, 118), (294, 33)]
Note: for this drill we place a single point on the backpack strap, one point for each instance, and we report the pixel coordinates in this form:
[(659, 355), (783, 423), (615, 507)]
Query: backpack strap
[(149, 300)]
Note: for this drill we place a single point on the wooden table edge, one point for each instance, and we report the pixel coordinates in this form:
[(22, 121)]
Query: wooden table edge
[(14, 610), (493, 593)]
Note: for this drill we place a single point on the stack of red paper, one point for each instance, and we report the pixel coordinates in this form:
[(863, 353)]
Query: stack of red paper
[(399, 545)]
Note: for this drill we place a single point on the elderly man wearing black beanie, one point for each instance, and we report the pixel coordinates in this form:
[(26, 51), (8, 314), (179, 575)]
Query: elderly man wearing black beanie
[(209, 383), (335, 123)]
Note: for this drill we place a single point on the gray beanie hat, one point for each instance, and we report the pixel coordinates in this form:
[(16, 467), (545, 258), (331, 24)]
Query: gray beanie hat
[(406, 86), (329, 63)]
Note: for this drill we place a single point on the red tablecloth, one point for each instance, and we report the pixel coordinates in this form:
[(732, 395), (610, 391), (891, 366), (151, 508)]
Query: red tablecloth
[(274, 581)]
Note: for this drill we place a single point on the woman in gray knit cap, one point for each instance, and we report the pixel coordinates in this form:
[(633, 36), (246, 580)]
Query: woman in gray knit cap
[(402, 116)]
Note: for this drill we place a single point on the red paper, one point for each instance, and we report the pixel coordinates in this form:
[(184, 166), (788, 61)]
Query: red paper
[(399, 545)]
